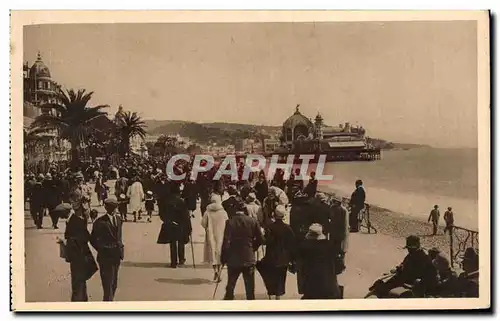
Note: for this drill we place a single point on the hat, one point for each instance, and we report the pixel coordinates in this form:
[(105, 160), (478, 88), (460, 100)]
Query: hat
[(79, 175), (449, 208), (232, 190), (435, 206), (240, 207), (148, 192), (40, 176), (315, 232), (322, 197), (48, 176), (412, 242), (251, 197), (434, 250), (280, 212), (111, 202), (62, 209)]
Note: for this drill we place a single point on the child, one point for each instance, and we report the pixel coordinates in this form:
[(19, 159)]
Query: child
[(122, 206), (149, 204)]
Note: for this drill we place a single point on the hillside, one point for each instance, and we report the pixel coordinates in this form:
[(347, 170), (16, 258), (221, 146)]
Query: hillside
[(229, 133)]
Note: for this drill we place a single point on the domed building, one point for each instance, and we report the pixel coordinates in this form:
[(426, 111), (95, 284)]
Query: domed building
[(39, 89), (297, 127), (300, 135)]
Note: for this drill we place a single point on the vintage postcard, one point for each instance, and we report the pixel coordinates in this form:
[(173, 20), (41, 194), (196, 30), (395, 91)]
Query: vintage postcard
[(250, 161)]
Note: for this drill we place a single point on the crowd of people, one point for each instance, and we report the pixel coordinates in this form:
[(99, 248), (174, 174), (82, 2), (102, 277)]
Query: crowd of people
[(274, 226)]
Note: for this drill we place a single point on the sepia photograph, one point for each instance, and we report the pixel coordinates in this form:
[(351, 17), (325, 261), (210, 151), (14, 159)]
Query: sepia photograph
[(266, 161)]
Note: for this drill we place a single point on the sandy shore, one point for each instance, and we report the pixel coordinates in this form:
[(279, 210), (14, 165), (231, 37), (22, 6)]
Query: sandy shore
[(399, 225)]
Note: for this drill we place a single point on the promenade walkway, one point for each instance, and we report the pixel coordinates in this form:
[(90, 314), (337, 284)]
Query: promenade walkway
[(145, 274)]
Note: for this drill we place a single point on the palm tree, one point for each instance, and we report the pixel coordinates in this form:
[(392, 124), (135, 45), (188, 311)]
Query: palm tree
[(71, 118), (130, 125)]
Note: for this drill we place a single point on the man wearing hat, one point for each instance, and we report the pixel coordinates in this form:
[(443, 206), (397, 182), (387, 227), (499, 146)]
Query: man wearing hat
[(317, 271), (242, 237), (357, 203), (53, 197), (434, 217), (106, 238), (441, 263), (449, 220), (280, 247), (37, 201), (312, 185), (232, 202), (417, 265), (80, 196), (78, 254)]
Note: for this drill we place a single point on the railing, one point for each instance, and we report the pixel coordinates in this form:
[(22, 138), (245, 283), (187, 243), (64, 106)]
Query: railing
[(461, 239)]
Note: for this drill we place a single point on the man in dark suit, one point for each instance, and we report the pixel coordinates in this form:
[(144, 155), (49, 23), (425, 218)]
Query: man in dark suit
[(81, 260), (106, 238), (232, 202), (242, 237), (176, 228), (357, 204)]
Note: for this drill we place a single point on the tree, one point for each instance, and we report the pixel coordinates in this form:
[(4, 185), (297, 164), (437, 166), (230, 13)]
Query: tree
[(71, 118), (193, 149), (130, 125)]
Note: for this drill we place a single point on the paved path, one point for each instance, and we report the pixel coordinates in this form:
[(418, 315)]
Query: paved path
[(145, 274)]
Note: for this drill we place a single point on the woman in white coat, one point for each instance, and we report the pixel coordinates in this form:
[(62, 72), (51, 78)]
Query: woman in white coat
[(135, 194), (214, 223)]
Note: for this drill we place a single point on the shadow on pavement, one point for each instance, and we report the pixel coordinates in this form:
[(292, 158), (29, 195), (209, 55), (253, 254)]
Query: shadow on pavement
[(198, 265), (195, 281), (146, 264)]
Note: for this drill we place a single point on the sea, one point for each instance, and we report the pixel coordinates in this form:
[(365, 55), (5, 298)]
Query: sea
[(413, 181)]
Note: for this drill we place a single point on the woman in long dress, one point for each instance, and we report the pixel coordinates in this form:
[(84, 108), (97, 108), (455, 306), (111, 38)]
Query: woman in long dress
[(135, 195), (214, 223)]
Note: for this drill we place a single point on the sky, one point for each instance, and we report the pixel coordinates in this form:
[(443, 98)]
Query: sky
[(412, 82)]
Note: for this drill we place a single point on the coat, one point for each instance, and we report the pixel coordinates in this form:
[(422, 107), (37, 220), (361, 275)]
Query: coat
[(358, 198), (318, 270), (242, 237), (176, 222), (339, 227), (77, 248), (214, 223), (280, 244), (107, 239), (121, 186), (53, 195), (255, 212), (311, 188), (261, 190), (190, 195), (135, 194)]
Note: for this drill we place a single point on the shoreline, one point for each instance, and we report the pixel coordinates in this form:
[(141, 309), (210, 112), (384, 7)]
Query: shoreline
[(399, 225)]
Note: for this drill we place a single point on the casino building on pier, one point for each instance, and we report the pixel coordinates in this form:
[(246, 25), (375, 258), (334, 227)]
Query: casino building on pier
[(301, 135)]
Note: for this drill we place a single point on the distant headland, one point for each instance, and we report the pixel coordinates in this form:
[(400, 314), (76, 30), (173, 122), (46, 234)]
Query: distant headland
[(227, 133)]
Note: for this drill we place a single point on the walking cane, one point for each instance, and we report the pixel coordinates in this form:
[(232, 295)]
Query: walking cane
[(217, 283), (192, 250)]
